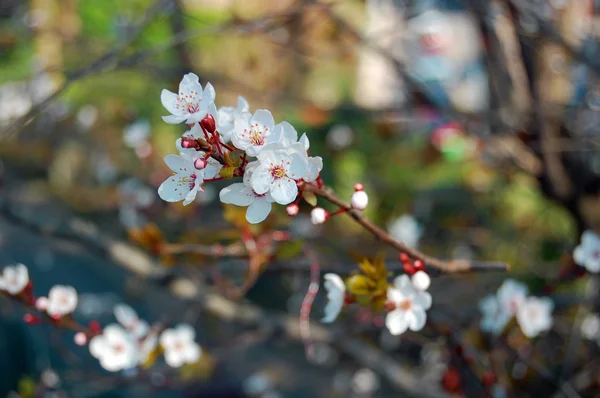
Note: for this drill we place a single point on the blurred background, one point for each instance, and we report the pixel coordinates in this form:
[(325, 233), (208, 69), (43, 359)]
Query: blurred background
[(471, 123)]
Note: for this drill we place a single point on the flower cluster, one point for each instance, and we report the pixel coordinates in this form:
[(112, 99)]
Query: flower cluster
[(405, 301), (534, 314), (61, 300), (132, 343), (231, 142)]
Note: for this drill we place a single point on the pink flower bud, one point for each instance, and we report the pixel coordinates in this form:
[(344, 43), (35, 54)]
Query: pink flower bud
[(200, 163), (31, 319), (359, 200), (208, 124), (80, 339), (188, 143), (359, 187), (421, 280), (292, 209), (41, 303), (318, 215)]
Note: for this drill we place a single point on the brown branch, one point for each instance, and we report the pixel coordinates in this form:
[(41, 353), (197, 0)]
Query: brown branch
[(445, 266)]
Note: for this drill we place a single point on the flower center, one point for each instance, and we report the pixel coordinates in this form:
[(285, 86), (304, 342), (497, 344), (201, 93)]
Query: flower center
[(405, 305), (596, 254), (63, 300), (118, 348), (277, 171), (189, 103), (178, 346)]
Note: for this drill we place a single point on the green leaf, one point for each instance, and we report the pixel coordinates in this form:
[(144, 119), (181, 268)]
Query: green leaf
[(234, 158), (227, 172), (310, 198), (359, 285)]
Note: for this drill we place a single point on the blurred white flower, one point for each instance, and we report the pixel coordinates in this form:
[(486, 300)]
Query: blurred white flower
[(133, 192), (336, 292), (227, 115), (62, 300), (137, 133), (494, 317), (179, 345), (411, 305), (511, 295), (14, 278), (86, 116), (590, 327), (365, 382), (127, 317), (587, 254), (192, 102), (340, 137), (115, 348), (186, 182), (406, 229), (421, 280), (535, 315)]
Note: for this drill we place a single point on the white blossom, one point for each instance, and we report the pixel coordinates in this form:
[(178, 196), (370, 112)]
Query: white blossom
[(62, 300), (242, 194), (494, 317), (590, 327), (14, 279), (115, 348), (587, 254), (127, 317), (406, 229), (289, 137), (253, 132), (336, 292), (535, 315), (359, 200), (191, 104), (136, 133), (511, 295), (318, 215), (179, 345), (227, 116), (421, 280), (278, 169), (411, 305), (186, 182)]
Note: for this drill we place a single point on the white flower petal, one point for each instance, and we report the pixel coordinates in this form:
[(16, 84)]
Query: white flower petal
[(179, 164), (416, 319), (174, 119), (261, 179), (173, 189), (265, 120), (237, 194), (396, 322), (258, 211), (284, 191), (169, 101)]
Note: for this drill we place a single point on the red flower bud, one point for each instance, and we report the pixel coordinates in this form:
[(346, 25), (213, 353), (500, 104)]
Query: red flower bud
[(409, 268), (452, 380), (208, 124), (292, 210), (189, 143), (418, 264), (359, 187), (200, 163), (95, 327), (31, 319), (403, 257)]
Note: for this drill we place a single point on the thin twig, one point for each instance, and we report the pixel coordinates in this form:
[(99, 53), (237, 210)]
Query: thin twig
[(445, 266)]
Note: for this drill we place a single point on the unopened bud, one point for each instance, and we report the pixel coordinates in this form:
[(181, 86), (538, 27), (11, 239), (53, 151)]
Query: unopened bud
[(318, 215), (188, 143), (419, 265), (403, 257), (200, 163), (359, 200), (80, 339), (421, 280), (359, 187), (41, 303), (292, 209), (31, 319), (208, 124), (408, 268), (95, 326)]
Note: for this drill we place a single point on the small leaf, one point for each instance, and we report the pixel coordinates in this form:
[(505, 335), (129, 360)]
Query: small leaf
[(310, 198), (367, 268), (234, 158), (227, 172), (359, 285)]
